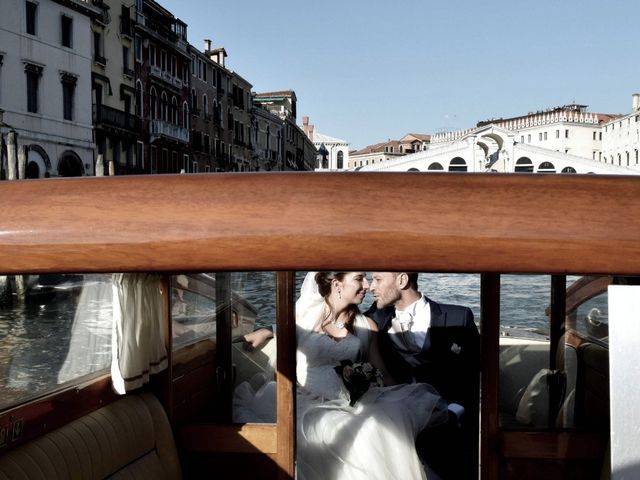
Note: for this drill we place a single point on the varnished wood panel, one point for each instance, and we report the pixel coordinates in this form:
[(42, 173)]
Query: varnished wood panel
[(306, 221), (245, 438)]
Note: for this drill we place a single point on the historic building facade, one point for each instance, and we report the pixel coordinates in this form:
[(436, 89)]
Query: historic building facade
[(162, 89), (116, 124), (566, 139), (45, 85), (333, 153), (298, 151)]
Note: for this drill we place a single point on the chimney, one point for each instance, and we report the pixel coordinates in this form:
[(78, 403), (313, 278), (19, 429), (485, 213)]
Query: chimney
[(636, 101), (310, 134), (207, 45)]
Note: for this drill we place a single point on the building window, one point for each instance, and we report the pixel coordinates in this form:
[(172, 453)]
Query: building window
[(594, 135), (138, 48), (521, 138), (152, 54), (185, 163), (529, 138), (340, 164), (600, 136), (126, 65), (31, 10), (139, 111), (566, 133), (545, 135), (540, 136), (97, 49), (66, 25), (33, 72), (140, 155), (68, 93), (195, 167), (557, 133), (154, 159)]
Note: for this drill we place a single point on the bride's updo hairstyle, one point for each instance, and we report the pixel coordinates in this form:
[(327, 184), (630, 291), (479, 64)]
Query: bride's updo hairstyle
[(324, 279)]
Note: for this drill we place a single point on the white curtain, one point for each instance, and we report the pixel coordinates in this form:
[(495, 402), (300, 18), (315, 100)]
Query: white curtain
[(90, 343), (138, 343)]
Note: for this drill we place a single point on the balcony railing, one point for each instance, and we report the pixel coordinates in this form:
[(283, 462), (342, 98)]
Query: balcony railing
[(160, 128), (112, 117)]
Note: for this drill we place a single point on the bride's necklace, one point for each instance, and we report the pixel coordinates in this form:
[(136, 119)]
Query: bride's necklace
[(338, 324)]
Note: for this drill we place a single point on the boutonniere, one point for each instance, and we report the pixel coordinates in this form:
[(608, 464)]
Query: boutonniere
[(455, 348)]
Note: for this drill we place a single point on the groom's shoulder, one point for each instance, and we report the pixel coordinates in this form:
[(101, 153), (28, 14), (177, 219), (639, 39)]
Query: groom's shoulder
[(380, 315)]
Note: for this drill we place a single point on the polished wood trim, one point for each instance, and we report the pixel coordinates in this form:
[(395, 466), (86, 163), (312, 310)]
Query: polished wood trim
[(286, 374), (280, 221), (223, 358), (557, 320), (489, 337), (42, 415), (245, 438), (552, 445)]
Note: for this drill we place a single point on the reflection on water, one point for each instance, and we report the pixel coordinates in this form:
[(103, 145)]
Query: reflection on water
[(35, 336)]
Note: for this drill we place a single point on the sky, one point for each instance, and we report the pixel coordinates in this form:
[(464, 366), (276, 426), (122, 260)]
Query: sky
[(366, 71)]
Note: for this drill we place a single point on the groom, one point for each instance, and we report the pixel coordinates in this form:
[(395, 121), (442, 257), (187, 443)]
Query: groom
[(423, 341)]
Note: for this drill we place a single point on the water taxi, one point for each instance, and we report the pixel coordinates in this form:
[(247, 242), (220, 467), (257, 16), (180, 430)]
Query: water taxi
[(549, 405)]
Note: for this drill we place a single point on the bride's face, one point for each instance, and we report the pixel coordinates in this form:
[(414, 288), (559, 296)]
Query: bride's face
[(353, 287)]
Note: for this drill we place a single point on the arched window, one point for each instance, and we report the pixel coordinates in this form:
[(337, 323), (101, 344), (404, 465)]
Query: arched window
[(458, 165), (70, 165), (185, 115), (547, 167), (194, 102), (174, 110), (164, 104), (340, 161), (413, 169), (154, 103), (568, 170), (435, 166), (524, 165)]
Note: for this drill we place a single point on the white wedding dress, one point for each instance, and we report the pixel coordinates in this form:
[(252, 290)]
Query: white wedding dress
[(374, 439)]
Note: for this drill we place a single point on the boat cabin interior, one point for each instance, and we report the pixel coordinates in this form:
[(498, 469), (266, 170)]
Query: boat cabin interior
[(122, 300)]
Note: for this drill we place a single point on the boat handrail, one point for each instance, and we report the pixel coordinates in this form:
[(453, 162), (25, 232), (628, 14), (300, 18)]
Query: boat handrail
[(306, 221)]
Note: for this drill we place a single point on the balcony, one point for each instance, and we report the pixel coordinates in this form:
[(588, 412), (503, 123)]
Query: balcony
[(162, 129), (112, 117)]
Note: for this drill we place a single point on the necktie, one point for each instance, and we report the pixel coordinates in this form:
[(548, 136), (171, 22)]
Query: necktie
[(402, 325)]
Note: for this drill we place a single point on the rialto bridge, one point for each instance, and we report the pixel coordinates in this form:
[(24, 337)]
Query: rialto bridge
[(494, 149)]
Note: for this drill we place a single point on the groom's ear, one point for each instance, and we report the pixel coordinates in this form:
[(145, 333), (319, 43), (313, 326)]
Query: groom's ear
[(402, 280)]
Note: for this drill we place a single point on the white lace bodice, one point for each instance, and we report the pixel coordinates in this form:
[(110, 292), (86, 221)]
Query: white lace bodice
[(317, 356)]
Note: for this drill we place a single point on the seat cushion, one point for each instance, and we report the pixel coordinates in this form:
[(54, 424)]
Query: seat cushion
[(129, 438)]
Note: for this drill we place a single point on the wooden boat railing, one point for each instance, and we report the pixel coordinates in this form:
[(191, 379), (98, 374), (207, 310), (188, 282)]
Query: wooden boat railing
[(472, 223)]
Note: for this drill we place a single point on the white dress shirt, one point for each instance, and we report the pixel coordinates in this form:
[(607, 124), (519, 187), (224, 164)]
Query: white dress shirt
[(416, 325)]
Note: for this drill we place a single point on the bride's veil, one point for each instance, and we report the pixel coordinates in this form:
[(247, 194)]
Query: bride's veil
[(310, 305)]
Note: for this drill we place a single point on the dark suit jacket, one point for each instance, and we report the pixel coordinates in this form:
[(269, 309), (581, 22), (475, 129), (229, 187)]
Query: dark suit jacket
[(449, 359)]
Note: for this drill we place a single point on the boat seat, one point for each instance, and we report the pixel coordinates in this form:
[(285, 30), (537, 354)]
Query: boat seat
[(129, 438)]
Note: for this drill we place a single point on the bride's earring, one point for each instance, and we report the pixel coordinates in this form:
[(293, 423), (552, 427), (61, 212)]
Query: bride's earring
[(340, 294)]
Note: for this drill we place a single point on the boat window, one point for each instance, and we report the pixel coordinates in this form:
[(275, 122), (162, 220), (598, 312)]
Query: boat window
[(524, 351), (211, 313), (54, 329)]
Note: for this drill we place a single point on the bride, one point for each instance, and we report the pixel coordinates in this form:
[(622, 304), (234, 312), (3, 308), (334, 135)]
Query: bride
[(374, 438)]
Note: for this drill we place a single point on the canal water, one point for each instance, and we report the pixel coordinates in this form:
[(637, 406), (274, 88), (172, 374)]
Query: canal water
[(35, 336)]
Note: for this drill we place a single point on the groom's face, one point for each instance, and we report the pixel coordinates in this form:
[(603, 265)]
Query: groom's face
[(384, 288)]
